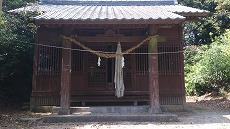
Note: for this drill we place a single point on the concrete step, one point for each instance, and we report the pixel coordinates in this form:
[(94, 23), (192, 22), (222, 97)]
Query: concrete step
[(111, 117), (108, 109)]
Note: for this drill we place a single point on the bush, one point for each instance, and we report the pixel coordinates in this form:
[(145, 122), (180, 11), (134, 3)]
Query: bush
[(16, 59), (207, 67)]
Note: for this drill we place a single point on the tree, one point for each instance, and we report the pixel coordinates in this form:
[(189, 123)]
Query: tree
[(207, 29), (16, 55), (223, 5), (207, 41), (0, 11), (12, 4), (207, 66)]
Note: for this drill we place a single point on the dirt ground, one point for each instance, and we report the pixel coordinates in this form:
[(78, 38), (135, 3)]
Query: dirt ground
[(202, 112)]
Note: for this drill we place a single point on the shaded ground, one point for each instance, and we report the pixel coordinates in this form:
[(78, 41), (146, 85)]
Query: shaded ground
[(202, 112)]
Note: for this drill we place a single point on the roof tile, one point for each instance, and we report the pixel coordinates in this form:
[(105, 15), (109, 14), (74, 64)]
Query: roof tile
[(108, 12), (90, 12), (109, 2)]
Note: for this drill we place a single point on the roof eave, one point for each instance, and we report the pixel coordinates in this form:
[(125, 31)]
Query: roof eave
[(115, 21), (196, 14)]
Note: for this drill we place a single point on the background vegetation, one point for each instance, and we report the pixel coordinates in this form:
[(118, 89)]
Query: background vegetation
[(207, 51), (207, 41), (15, 55), (207, 67)]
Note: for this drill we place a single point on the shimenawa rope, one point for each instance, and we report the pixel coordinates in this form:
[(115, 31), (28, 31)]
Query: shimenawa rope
[(107, 55)]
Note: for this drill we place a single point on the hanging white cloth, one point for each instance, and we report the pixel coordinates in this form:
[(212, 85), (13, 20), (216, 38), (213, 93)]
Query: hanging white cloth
[(118, 78)]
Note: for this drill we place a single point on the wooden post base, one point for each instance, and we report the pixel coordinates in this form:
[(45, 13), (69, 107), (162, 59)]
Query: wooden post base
[(64, 112), (154, 110)]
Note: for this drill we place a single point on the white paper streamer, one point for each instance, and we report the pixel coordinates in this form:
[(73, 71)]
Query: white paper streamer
[(123, 62), (99, 61)]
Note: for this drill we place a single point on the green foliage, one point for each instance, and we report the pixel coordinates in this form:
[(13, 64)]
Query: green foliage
[(14, 33), (12, 4), (0, 12), (223, 5), (205, 30), (207, 63), (207, 67), (16, 57)]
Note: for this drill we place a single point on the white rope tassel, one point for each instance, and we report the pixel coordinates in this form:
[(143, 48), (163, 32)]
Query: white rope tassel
[(118, 78), (123, 62), (99, 61)]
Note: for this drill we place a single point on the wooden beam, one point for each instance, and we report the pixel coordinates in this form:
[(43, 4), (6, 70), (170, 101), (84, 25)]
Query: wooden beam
[(165, 26), (93, 39), (192, 18), (117, 26), (103, 26), (116, 39), (65, 75), (153, 73), (203, 14)]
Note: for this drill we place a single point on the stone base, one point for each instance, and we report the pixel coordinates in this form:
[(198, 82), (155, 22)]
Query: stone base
[(64, 112), (107, 109), (103, 109), (42, 109), (111, 117), (173, 108), (155, 110)]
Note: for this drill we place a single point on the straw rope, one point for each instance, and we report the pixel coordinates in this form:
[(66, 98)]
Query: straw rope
[(107, 55)]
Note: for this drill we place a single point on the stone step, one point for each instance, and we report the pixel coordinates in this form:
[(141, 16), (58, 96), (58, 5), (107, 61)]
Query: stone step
[(108, 109), (111, 117)]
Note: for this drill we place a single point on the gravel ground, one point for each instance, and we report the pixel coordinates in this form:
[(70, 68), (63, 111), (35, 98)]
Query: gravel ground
[(202, 112)]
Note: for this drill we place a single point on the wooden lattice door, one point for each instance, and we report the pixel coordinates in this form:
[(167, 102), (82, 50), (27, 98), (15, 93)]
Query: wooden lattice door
[(96, 75), (101, 78)]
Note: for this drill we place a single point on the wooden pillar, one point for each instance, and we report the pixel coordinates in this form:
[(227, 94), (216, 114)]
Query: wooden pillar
[(65, 75), (180, 26), (35, 73), (153, 73)]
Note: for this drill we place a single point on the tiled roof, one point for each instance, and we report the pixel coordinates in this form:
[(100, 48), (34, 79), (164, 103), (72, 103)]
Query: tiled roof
[(107, 12), (168, 8), (109, 2), (115, 11), (180, 9), (110, 12)]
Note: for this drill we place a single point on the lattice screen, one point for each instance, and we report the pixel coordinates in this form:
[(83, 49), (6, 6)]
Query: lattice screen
[(77, 61), (49, 60), (96, 74), (169, 63), (142, 67), (127, 71)]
